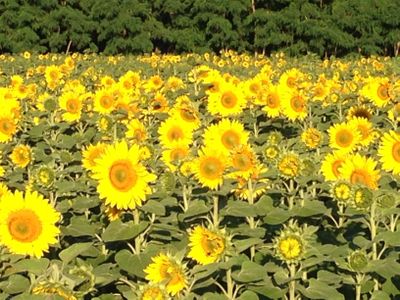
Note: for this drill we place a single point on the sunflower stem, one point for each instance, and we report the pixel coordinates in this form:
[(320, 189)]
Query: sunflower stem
[(185, 198), (229, 284), (215, 212), (359, 278), (138, 239), (341, 213), (292, 283), (372, 227), (251, 218)]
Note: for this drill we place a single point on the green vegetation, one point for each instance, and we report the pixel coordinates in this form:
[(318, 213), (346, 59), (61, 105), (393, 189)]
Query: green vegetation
[(325, 27)]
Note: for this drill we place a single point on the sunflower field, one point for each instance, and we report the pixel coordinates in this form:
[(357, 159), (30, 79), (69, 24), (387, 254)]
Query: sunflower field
[(227, 176)]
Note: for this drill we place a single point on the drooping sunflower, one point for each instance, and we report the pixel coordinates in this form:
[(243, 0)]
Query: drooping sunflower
[(21, 156), (359, 111), (27, 223), (294, 104), (331, 165), (169, 271), (358, 169), (389, 151), (91, 153), (344, 137), (209, 167), (71, 103), (228, 101), (206, 246), (123, 180), (226, 135), (173, 131)]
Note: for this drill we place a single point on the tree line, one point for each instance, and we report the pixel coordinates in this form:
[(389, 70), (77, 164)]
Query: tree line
[(324, 27)]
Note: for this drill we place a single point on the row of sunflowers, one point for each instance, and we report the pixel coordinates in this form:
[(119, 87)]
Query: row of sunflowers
[(227, 176)]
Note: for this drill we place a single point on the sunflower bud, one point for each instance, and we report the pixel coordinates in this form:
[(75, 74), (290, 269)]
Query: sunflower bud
[(358, 261)]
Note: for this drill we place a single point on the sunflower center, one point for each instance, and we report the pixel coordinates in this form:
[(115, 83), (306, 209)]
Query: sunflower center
[(72, 106), (297, 103), (396, 151), (229, 100), (290, 248), (177, 154), (359, 176), (242, 161), (53, 75), (211, 168), (188, 115), (273, 100), (344, 138), (212, 245), (106, 101), (175, 133), (291, 82), (383, 92), (122, 175), (24, 225), (254, 88), (335, 167), (7, 126), (230, 139)]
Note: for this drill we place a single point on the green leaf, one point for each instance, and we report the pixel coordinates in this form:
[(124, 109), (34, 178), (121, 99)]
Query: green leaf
[(239, 209), (250, 272), (310, 208), (269, 290), (379, 295), (264, 205), (35, 266), (320, 290), (135, 264), (15, 284), (80, 226), (195, 208), (118, 231), (389, 237), (277, 216), (154, 207), (73, 251), (242, 245), (248, 295)]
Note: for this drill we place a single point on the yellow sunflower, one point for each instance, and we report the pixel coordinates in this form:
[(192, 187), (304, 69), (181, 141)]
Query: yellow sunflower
[(71, 103), (294, 104), (169, 271), (8, 126), (389, 151), (243, 161), (378, 90), (21, 156), (123, 180), (290, 165), (136, 131), (272, 100), (343, 137), (104, 101), (311, 137), (226, 135), (209, 167), (331, 165), (291, 79), (359, 111), (229, 101), (206, 246), (91, 153), (175, 155), (358, 169), (27, 223), (152, 292), (173, 131), (365, 128)]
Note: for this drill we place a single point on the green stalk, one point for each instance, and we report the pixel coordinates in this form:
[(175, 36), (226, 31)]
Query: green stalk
[(229, 284), (250, 219), (215, 212), (138, 239), (372, 224), (292, 284)]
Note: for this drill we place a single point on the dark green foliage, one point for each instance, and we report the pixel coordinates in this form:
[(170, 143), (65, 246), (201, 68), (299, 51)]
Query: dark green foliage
[(325, 27)]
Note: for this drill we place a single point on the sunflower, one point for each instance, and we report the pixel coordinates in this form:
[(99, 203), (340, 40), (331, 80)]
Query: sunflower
[(152, 292), (175, 155), (71, 103), (206, 246), (294, 104), (21, 156), (394, 113), (331, 165), (365, 128), (8, 126), (290, 245), (389, 151), (360, 111), (169, 271), (378, 90), (311, 137), (27, 223), (173, 131), (123, 180), (184, 110), (52, 289), (289, 165), (104, 101), (358, 169), (91, 153), (272, 100), (226, 135), (209, 167), (52, 74), (343, 137), (229, 101), (136, 131), (243, 161), (291, 79)]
